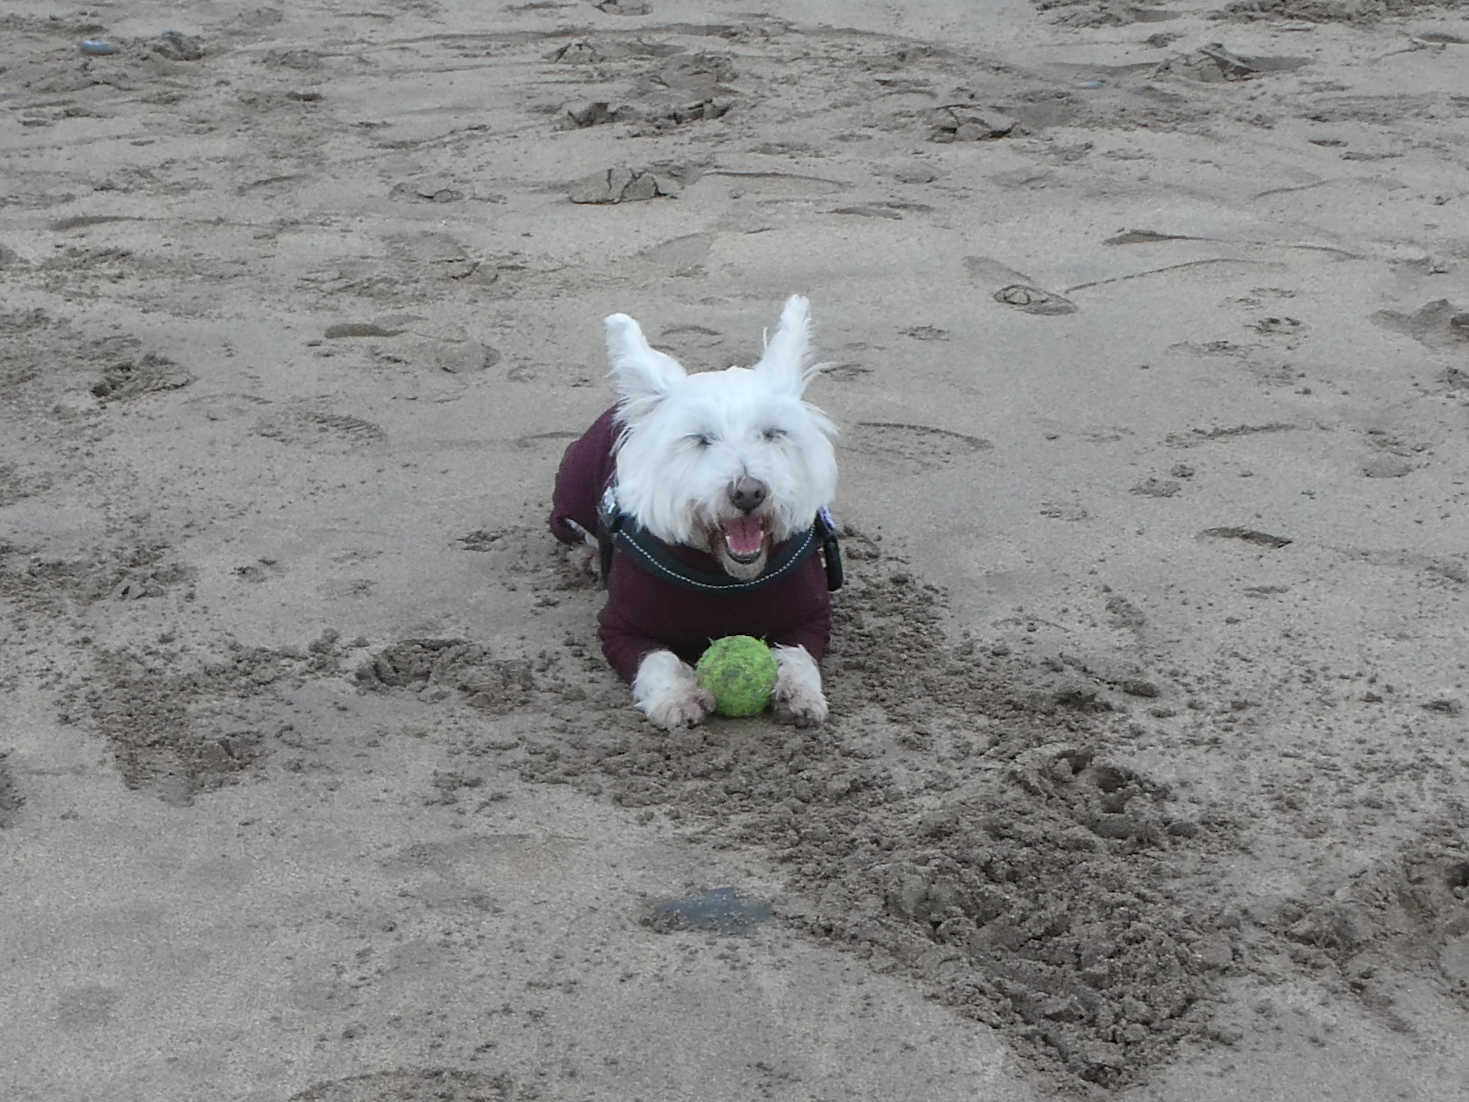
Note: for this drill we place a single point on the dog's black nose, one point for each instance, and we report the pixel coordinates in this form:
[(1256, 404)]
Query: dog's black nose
[(746, 493)]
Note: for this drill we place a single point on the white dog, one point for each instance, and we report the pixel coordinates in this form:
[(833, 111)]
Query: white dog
[(708, 494)]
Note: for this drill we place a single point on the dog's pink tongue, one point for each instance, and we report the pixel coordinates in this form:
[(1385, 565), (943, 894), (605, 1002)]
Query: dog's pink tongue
[(744, 536)]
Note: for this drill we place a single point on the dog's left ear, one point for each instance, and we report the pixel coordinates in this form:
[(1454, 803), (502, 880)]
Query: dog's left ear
[(787, 354), (643, 375)]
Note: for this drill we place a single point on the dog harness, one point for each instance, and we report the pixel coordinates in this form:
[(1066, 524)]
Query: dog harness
[(618, 530)]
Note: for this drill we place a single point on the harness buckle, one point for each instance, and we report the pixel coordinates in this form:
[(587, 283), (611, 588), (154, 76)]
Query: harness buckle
[(831, 551), (608, 522)]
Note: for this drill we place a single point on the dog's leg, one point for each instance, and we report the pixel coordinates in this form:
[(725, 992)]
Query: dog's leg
[(798, 696), (669, 694), (584, 558)]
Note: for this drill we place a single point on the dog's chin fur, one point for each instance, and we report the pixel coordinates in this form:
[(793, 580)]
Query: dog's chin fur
[(742, 571)]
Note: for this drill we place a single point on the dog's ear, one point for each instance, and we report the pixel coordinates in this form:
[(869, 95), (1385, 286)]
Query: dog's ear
[(642, 375), (786, 361)]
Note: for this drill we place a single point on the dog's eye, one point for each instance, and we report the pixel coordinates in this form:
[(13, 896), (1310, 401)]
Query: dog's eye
[(699, 439), (774, 434)]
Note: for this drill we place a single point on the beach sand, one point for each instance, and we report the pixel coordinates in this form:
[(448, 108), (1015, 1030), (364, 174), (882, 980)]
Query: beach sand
[(1148, 340)]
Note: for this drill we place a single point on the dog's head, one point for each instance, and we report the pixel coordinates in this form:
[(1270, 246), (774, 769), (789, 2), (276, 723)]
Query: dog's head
[(732, 462)]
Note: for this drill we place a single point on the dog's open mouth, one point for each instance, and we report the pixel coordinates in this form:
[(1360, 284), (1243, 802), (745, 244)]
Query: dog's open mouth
[(744, 539)]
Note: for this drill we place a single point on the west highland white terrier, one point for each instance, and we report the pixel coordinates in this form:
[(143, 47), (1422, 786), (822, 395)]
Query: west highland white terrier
[(706, 498)]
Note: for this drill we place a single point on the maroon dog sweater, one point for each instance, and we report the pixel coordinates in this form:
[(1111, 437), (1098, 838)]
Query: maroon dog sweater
[(646, 612)]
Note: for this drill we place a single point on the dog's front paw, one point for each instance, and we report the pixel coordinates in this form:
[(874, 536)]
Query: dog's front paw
[(668, 693), (798, 697)]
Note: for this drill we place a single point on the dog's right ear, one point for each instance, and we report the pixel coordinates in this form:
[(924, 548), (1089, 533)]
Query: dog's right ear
[(786, 360), (642, 375)]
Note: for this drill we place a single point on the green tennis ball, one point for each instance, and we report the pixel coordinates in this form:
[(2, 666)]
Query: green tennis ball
[(739, 671)]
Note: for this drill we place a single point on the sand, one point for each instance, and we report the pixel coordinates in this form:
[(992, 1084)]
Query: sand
[(1148, 330)]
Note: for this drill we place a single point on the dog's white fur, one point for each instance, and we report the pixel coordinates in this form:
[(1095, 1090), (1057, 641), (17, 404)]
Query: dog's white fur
[(685, 441)]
